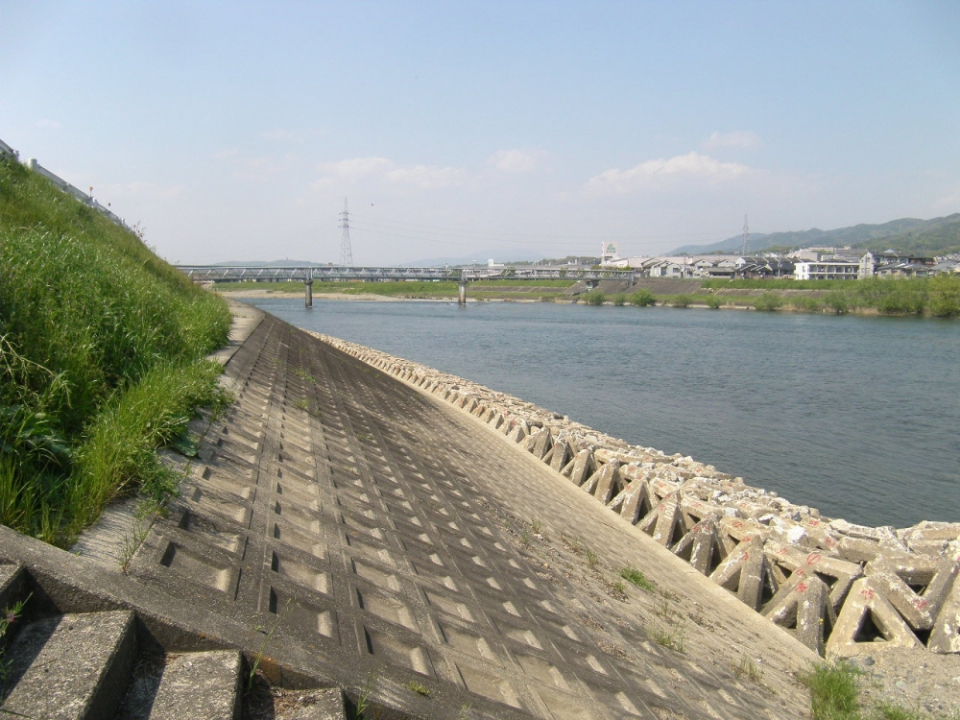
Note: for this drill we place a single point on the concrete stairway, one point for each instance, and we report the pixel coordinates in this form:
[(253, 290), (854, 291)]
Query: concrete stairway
[(91, 665)]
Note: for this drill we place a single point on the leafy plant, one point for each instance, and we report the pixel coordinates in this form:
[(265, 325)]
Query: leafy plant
[(619, 299), (642, 298), (768, 302), (594, 297)]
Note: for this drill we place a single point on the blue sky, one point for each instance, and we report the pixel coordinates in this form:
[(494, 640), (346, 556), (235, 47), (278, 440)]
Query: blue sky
[(234, 131)]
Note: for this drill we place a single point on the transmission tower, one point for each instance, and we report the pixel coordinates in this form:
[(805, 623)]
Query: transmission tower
[(745, 247), (346, 253)]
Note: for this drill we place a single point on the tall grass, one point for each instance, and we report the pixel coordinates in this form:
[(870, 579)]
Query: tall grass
[(87, 316)]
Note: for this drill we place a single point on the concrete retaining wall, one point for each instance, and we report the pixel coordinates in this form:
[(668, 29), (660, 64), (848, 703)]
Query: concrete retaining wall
[(841, 588)]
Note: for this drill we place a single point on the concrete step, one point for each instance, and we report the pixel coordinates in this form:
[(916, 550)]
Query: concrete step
[(185, 686), (71, 667), (280, 704)]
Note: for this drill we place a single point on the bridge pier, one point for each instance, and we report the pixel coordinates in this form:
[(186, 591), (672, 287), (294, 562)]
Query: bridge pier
[(462, 295), (308, 293)]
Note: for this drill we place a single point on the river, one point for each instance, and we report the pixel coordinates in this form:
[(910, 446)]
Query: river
[(856, 416)]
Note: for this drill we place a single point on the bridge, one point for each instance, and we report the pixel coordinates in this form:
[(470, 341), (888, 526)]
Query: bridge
[(461, 275)]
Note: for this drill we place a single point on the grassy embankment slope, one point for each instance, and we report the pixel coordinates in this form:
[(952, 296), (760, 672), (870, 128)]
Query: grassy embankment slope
[(101, 347)]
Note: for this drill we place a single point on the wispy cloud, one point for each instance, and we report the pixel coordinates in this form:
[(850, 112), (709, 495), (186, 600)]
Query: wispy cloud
[(47, 123), (385, 170), (664, 172), (516, 161), (737, 139)]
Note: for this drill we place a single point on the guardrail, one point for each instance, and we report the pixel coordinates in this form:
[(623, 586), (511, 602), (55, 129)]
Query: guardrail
[(65, 186)]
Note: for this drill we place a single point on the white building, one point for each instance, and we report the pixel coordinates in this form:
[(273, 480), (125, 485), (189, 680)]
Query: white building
[(826, 270)]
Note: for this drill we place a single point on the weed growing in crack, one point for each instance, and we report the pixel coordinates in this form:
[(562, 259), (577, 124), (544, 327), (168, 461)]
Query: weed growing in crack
[(304, 375), (302, 404), (11, 614), (536, 527), (637, 578), (592, 559), (418, 688), (672, 638), (363, 698), (255, 665), (746, 669)]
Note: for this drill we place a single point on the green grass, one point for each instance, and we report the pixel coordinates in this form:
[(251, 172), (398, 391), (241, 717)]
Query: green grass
[(93, 326), (834, 694), (594, 297), (637, 578)]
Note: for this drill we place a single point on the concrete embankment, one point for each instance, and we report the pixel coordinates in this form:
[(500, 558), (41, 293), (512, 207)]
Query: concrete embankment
[(347, 530), (839, 588)]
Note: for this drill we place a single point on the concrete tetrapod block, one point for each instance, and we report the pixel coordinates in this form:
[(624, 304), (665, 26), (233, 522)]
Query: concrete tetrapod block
[(701, 547), (517, 434), (743, 573), (561, 455), (803, 603), (542, 444), (670, 521), (196, 686), (917, 609), (945, 634), (583, 467), (608, 482), (867, 600), (808, 563), (72, 666)]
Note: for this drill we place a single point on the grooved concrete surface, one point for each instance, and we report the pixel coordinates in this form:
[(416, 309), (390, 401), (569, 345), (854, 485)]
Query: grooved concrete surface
[(400, 544)]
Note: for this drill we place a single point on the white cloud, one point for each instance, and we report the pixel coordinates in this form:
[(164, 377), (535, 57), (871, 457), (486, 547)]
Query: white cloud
[(516, 161), (47, 123), (383, 169), (659, 173), (739, 139)]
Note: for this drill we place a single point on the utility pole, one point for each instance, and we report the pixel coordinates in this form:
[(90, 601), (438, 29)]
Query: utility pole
[(745, 248), (346, 253)]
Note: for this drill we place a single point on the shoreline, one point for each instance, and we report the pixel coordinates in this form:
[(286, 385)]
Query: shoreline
[(747, 306), (716, 522)]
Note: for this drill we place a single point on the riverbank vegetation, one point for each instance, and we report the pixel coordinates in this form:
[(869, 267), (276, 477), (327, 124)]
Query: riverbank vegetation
[(932, 297), (101, 347)]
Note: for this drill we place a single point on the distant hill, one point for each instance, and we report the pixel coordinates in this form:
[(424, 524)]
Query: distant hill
[(939, 236)]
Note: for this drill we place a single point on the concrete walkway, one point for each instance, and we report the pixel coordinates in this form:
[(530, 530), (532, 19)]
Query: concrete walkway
[(415, 557)]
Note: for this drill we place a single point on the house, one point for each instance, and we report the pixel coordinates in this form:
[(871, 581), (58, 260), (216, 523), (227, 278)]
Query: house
[(826, 270)]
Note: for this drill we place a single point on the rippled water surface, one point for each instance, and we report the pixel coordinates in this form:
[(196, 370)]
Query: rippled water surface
[(857, 416)]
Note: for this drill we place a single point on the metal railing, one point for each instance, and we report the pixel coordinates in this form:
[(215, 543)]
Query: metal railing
[(65, 186)]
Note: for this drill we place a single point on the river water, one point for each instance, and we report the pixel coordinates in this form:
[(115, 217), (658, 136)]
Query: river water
[(857, 416)]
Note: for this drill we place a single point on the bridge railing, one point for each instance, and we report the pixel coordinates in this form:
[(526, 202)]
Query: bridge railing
[(328, 272)]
